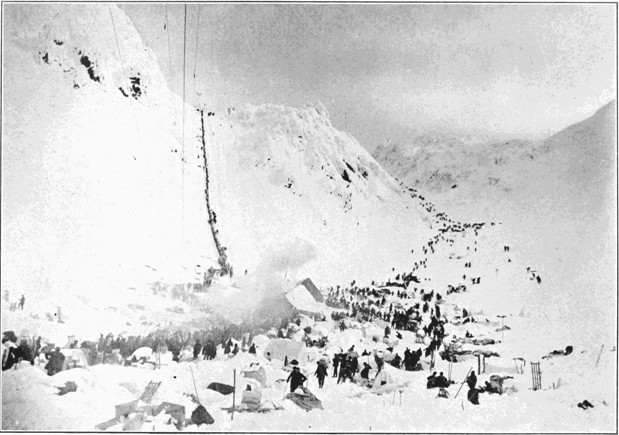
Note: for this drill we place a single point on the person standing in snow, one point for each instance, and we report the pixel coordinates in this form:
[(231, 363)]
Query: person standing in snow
[(472, 380), (22, 300), (252, 349), (354, 366), (196, 349), (344, 370), (336, 363), (365, 373), (55, 363), (296, 379), (321, 372), (431, 381), (380, 362), (397, 361)]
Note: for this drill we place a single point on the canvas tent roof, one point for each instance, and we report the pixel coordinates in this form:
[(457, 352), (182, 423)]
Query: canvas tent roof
[(304, 302), (279, 348), (312, 289)]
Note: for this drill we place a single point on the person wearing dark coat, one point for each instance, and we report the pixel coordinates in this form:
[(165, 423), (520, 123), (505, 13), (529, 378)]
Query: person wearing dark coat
[(252, 349), (321, 373), (55, 363), (473, 396), (345, 366), (431, 381), (196, 349), (25, 351), (296, 379), (397, 361), (441, 381), (354, 366), (471, 380), (365, 373), (336, 363), (236, 349), (411, 360), (206, 350)]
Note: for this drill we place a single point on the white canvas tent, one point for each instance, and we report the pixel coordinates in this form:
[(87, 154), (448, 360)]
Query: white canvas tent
[(311, 287), (304, 302), (280, 348)]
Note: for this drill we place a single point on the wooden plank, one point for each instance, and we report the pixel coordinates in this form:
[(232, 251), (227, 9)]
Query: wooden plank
[(149, 391), (106, 424)]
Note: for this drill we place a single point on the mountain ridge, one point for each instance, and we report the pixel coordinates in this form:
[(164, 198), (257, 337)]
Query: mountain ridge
[(104, 170)]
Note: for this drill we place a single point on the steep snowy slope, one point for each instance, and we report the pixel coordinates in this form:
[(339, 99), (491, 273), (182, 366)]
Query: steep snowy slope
[(288, 188), (557, 202), (92, 177), (96, 197)]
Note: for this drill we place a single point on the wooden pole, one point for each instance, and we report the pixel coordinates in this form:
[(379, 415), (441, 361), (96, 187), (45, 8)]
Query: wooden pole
[(194, 385), (465, 378), (233, 396), (599, 356)]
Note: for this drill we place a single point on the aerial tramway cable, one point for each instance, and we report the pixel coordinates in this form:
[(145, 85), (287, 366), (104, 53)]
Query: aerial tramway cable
[(195, 58), (167, 27), (183, 151)]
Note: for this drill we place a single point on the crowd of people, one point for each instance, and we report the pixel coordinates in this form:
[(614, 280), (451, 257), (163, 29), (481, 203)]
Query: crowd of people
[(119, 349), (352, 302), (368, 304)]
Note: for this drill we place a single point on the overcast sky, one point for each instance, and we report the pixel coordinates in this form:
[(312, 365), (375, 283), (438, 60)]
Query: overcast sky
[(387, 72)]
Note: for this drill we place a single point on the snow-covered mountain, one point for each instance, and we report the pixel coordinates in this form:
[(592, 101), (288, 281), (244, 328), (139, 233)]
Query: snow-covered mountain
[(437, 164), (286, 184), (556, 200), (92, 177), (104, 181), (106, 176)]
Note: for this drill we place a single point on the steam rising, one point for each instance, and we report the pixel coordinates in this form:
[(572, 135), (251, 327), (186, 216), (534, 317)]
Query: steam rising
[(259, 296)]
